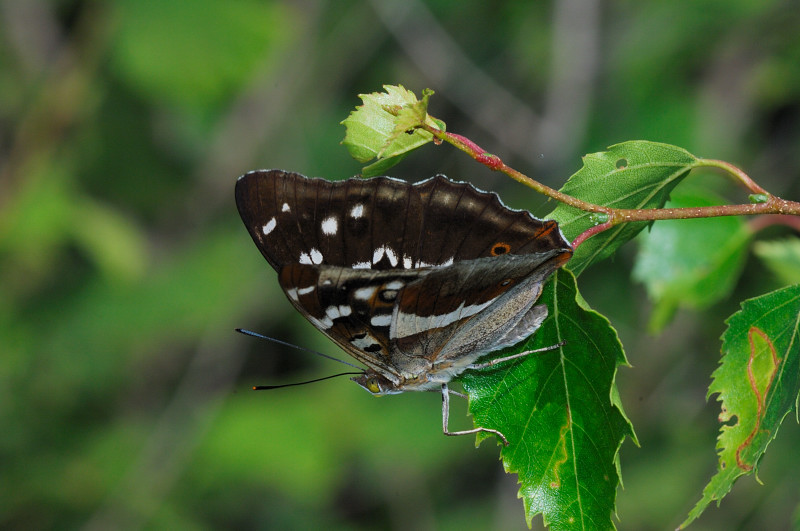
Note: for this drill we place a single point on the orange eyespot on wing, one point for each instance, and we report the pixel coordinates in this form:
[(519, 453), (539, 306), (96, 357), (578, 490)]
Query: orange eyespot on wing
[(500, 248)]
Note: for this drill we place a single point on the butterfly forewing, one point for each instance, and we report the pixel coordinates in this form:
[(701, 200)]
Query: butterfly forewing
[(382, 223)]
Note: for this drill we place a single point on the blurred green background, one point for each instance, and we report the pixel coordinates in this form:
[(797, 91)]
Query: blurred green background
[(124, 268)]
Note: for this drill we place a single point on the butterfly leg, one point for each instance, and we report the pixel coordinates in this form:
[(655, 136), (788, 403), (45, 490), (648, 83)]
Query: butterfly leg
[(456, 393), (490, 363), (446, 418)]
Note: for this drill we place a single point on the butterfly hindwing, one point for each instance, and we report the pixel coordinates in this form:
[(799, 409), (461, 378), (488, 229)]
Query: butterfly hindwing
[(353, 308), (479, 304)]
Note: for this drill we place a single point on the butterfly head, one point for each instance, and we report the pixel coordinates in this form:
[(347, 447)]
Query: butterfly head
[(376, 384)]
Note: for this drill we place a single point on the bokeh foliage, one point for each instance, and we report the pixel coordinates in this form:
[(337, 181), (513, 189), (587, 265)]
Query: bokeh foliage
[(124, 268)]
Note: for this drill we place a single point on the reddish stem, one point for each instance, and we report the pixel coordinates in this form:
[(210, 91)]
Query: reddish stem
[(773, 204), (588, 233), (466, 142), (495, 163), (735, 172)]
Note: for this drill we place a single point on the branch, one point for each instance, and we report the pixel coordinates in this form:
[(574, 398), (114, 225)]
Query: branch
[(762, 202)]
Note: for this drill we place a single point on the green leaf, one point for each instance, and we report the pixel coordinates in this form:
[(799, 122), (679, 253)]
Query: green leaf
[(48, 213), (758, 382), (113, 241), (560, 412), (385, 127), (782, 257), (196, 54), (680, 268), (381, 166), (635, 174)]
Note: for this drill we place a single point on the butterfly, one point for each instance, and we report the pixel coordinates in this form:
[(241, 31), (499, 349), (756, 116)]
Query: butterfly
[(415, 281)]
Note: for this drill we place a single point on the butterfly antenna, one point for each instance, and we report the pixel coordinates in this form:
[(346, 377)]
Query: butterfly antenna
[(267, 387), (285, 344)]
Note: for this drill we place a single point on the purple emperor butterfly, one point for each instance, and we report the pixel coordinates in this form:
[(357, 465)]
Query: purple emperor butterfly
[(414, 281)]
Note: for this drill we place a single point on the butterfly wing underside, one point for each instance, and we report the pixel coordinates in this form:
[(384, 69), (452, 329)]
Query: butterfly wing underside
[(393, 272)]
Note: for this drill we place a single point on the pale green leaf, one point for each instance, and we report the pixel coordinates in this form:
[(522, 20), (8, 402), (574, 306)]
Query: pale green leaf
[(679, 267), (385, 127), (782, 257)]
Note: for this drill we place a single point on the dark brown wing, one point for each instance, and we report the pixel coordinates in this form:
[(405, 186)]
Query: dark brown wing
[(352, 307), (382, 223)]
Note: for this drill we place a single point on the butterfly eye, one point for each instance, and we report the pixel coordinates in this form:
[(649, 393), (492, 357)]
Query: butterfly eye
[(506, 282), (373, 387), (500, 248)]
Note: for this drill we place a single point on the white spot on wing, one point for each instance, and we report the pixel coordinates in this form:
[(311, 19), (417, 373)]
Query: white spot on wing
[(380, 252), (381, 320), (364, 294), (269, 227), (330, 226), (362, 265), (407, 263), (395, 284), (391, 256), (364, 343), (305, 259), (285, 208), (292, 293), (316, 256), (305, 291), (357, 211), (420, 263)]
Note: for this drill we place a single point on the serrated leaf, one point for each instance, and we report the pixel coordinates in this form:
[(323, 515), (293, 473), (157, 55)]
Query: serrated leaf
[(560, 412), (372, 131), (782, 257), (679, 267), (636, 174), (758, 382)]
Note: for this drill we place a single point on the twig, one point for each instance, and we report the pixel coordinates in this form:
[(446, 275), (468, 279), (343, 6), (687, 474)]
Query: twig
[(768, 203)]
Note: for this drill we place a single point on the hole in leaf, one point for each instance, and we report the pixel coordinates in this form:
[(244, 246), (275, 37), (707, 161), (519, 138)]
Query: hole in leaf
[(622, 164)]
